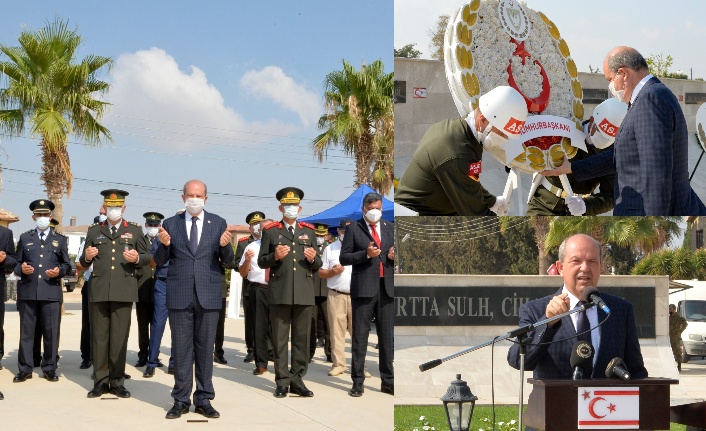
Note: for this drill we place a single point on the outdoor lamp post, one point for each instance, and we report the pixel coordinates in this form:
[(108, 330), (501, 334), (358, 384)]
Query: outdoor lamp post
[(459, 403)]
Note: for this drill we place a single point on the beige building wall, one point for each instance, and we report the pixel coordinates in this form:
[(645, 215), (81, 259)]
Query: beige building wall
[(415, 345)]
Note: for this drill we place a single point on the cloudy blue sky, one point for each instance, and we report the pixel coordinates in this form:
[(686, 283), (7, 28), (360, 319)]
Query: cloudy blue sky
[(227, 92), (590, 29)]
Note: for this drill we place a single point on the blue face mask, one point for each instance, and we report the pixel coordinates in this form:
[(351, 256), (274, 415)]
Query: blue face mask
[(43, 222)]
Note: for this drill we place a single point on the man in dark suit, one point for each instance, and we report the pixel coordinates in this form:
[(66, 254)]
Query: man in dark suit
[(117, 249), (43, 259), (649, 157), (195, 243), (369, 246), (579, 264), (144, 308), (319, 317), (287, 249), (7, 265)]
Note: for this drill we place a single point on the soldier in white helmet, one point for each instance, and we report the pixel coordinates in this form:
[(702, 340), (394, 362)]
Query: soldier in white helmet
[(443, 177), (593, 196)]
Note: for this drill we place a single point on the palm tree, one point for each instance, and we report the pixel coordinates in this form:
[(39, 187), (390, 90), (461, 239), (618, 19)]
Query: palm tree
[(359, 118), (52, 93)]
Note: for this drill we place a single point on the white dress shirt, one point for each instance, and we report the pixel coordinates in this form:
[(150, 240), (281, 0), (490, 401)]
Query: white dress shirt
[(199, 225), (592, 314), (339, 282), (255, 273), (638, 87)]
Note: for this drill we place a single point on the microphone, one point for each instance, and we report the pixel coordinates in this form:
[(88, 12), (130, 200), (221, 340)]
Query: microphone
[(617, 368), (581, 359), (591, 294)]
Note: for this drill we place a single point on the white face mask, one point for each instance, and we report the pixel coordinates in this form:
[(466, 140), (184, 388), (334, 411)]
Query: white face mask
[(494, 140), (194, 205), (102, 218), (618, 94), (256, 229), (152, 231), (43, 222), (320, 240), (114, 213), (373, 216), (291, 211)]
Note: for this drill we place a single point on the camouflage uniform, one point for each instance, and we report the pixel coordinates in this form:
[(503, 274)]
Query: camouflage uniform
[(677, 324)]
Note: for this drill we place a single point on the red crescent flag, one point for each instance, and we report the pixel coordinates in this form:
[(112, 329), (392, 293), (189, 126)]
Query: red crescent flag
[(609, 408)]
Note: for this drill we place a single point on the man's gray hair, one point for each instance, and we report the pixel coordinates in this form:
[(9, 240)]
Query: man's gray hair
[(371, 197), (629, 58), (562, 247), (205, 188)]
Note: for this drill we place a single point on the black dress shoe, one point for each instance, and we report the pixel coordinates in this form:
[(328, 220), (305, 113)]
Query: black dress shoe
[(120, 392), (207, 411), (159, 363), (51, 376), (357, 390), (85, 364), (302, 391), (177, 410), (0, 365), (2, 397), (249, 357), (258, 371), (22, 376), (170, 370), (126, 376), (219, 359), (387, 388), (98, 390), (281, 391), (141, 363), (149, 372)]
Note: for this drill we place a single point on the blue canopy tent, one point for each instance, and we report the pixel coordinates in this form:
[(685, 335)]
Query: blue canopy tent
[(351, 208)]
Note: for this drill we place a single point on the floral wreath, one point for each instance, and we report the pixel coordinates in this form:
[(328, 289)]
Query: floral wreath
[(489, 43)]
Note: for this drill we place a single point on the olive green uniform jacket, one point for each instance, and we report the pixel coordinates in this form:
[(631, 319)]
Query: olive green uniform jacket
[(438, 180)]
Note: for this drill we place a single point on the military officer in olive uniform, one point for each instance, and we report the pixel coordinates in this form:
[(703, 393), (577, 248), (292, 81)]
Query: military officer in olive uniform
[(677, 325), (117, 249), (288, 249), (319, 312), (443, 177), (144, 308), (43, 259), (249, 302)]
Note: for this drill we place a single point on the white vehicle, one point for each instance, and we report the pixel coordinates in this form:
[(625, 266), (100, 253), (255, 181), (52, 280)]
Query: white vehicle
[(691, 303)]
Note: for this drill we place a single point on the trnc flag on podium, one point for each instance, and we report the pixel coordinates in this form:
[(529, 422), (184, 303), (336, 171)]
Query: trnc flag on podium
[(609, 408)]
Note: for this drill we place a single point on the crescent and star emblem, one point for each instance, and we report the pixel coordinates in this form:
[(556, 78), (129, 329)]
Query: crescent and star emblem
[(591, 408)]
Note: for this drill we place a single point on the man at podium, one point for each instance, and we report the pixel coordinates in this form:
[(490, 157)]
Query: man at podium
[(550, 346)]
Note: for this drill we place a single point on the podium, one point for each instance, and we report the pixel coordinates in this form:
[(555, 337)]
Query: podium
[(555, 405)]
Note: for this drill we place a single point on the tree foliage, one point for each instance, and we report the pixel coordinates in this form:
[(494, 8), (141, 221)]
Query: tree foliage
[(659, 66), (359, 118), (408, 51), (436, 34), (54, 94), (679, 264)]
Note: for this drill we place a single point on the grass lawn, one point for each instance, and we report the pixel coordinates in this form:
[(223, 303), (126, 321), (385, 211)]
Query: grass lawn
[(407, 418)]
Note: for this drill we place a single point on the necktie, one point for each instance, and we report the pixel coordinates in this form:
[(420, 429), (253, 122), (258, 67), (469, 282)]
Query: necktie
[(41, 237), (291, 231), (376, 238), (582, 325), (194, 235), (114, 230)]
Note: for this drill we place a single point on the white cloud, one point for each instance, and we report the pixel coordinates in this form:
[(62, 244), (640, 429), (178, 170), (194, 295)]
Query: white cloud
[(272, 83), (149, 85)]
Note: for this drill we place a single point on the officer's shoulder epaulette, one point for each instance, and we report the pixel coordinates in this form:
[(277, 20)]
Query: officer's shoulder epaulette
[(61, 234), (94, 224), (245, 238), (29, 232), (274, 224), (305, 224), (134, 224)]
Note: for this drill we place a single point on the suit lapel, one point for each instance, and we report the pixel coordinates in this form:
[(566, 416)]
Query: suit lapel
[(364, 227), (105, 230), (206, 228), (285, 231), (181, 229)]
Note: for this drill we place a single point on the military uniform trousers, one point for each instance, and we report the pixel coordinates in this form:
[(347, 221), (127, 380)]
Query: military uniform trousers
[(340, 318), (261, 312), (320, 327), (159, 321), (86, 344), (144, 312), (297, 318), (110, 328), (31, 312), (220, 329), (363, 308), (38, 337), (193, 338), (249, 315)]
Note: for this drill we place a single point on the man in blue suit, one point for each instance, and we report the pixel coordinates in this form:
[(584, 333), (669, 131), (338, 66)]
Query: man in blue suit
[(579, 264), (195, 243), (649, 156)]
